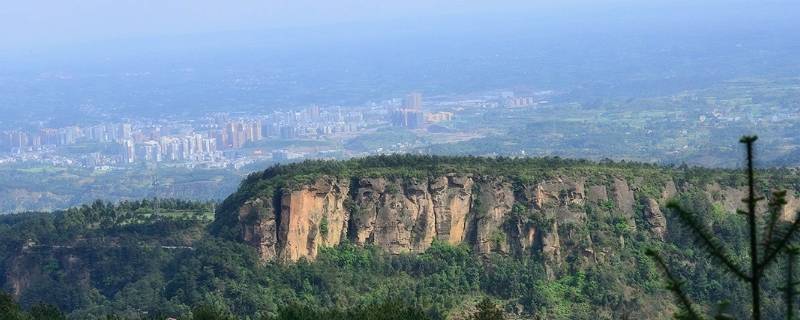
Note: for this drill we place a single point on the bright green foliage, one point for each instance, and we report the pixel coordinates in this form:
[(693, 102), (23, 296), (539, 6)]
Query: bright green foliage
[(487, 310), (46, 312), (388, 310), (210, 312), (9, 310)]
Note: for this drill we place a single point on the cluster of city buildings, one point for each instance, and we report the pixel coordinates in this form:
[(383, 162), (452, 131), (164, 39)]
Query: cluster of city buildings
[(410, 114), (214, 140), (20, 140), (511, 100), (222, 139)]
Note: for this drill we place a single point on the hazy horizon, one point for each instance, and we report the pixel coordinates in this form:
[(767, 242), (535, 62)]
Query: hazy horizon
[(32, 26)]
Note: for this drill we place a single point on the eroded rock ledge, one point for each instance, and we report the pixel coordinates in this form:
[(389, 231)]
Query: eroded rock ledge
[(490, 214)]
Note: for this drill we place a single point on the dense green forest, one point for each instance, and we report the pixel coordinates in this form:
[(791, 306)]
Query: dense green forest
[(166, 258)]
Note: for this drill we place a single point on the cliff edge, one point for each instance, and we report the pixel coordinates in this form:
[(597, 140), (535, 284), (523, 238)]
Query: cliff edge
[(402, 204)]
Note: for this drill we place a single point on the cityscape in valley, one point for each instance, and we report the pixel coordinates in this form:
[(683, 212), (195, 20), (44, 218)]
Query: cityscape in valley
[(203, 157), (224, 140)]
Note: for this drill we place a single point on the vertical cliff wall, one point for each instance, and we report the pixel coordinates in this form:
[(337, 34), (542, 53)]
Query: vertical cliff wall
[(401, 215)]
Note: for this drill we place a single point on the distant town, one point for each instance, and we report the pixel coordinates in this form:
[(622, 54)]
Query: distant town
[(232, 140), (44, 166)]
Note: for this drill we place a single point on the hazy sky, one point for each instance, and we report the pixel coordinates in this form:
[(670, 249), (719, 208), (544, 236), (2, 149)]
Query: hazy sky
[(46, 22), (355, 50), (36, 23)]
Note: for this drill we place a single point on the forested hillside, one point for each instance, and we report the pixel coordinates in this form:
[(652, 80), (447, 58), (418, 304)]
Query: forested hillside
[(411, 236)]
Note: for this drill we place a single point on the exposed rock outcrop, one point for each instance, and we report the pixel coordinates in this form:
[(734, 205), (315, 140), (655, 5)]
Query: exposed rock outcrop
[(369, 198), (729, 198), (597, 194), (669, 192), (624, 198), (259, 228), (551, 249), (495, 201), (657, 223), (311, 217), (452, 201), (404, 220), (791, 208), (488, 213)]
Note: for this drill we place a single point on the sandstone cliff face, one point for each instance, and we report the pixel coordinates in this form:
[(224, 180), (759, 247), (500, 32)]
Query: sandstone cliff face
[(623, 196), (656, 220), (401, 215), (311, 217), (259, 228), (407, 215), (494, 204), (729, 198), (403, 219), (669, 191), (792, 207), (452, 200), (551, 249), (598, 194)]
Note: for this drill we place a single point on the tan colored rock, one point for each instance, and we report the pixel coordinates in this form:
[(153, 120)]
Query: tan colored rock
[(669, 192), (556, 192), (393, 221), (729, 198), (368, 199), (452, 200), (421, 202), (791, 208), (597, 194), (541, 197), (551, 249), (623, 196), (496, 200), (259, 228), (655, 219), (311, 217), (397, 215), (406, 215), (405, 220), (522, 235)]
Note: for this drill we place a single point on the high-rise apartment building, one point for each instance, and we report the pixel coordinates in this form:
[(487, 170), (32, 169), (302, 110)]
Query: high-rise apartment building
[(125, 131), (407, 118), (413, 101), (128, 151)]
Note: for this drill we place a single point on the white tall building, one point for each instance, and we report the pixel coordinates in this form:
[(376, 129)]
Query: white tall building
[(128, 151)]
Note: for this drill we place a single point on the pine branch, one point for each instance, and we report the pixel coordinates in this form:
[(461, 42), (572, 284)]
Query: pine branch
[(715, 248), (675, 285), (791, 285), (781, 244), (775, 205)]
